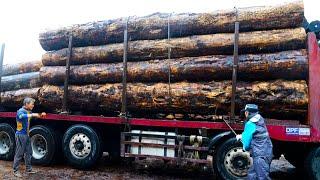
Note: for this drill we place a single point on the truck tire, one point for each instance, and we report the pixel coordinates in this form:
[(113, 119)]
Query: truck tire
[(7, 142), (43, 143), (81, 146), (312, 164), (231, 161)]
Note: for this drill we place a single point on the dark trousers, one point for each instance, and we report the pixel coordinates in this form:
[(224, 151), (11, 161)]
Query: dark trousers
[(23, 148), (260, 169)]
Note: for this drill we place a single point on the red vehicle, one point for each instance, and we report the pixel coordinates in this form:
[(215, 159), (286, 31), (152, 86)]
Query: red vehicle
[(83, 138)]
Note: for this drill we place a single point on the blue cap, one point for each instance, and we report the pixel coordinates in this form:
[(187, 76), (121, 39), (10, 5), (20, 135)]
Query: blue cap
[(251, 108)]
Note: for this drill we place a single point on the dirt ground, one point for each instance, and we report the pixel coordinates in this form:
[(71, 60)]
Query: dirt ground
[(280, 169)]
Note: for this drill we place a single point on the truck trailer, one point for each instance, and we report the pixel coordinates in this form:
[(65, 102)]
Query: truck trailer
[(211, 143)]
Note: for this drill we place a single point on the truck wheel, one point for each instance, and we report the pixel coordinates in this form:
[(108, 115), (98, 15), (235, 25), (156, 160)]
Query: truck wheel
[(81, 146), (7, 142), (312, 164), (43, 144), (231, 161)]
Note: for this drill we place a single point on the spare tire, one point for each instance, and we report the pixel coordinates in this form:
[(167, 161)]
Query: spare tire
[(314, 26), (43, 143), (7, 142), (81, 146)]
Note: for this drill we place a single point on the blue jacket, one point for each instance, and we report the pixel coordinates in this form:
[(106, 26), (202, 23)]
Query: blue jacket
[(255, 137), (23, 121)]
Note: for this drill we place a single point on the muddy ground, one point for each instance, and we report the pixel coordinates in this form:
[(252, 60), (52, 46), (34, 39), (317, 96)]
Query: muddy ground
[(280, 169)]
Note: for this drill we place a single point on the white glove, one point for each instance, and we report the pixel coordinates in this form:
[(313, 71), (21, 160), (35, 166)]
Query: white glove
[(238, 137)]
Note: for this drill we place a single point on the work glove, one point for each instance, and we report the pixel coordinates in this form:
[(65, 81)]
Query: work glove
[(43, 115), (37, 115), (238, 137)]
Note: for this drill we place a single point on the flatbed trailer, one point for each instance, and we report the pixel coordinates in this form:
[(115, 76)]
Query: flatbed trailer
[(83, 139)]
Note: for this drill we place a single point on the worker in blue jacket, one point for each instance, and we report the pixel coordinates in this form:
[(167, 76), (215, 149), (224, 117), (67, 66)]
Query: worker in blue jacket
[(23, 144), (255, 138)]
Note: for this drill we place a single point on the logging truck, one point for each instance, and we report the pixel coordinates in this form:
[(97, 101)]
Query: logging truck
[(84, 138)]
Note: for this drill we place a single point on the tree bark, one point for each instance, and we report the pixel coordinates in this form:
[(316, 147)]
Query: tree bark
[(13, 69), (21, 81), (214, 44), (154, 26), (280, 97), (291, 65)]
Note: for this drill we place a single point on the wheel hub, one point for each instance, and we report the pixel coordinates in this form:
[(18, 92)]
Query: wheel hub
[(80, 145), (237, 161), (4, 142), (39, 146)]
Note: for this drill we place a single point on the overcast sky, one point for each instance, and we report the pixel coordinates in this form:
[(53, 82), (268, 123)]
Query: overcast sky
[(21, 21)]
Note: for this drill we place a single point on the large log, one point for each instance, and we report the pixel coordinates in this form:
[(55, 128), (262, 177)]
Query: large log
[(155, 26), (214, 44), (26, 67), (282, 65), (21, 81), (14, 99), (284, 98)]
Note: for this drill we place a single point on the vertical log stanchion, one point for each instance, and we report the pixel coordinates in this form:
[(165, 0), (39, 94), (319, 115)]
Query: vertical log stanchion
[(170, 116), (235, 66), (1, 65), (66, 80), (124, 113), (169, 57)]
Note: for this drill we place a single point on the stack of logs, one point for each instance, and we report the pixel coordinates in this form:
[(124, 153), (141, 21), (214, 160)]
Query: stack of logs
[(19, 81), (272, 69)]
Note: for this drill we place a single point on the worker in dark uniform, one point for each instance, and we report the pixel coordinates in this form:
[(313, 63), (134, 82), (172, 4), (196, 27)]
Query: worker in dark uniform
[(23, 144), (255, 138)]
